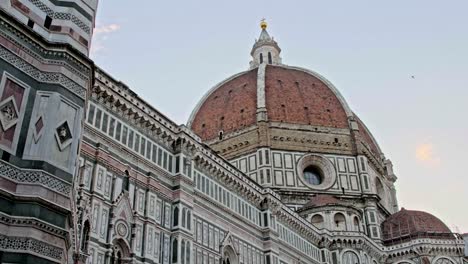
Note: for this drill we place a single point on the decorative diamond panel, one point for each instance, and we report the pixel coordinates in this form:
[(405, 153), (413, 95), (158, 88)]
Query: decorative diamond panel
[(8, 113), (38, 128), (63, 135)]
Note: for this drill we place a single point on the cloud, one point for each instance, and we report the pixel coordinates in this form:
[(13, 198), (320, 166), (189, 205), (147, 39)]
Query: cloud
[(425, 154), (100, 35), (106, 29)]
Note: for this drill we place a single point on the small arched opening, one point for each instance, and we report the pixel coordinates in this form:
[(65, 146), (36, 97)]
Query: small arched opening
[(340, 222), (443, 261), (120, 252), (174, 250), (184, 216), (270, 60), (317, 221), (229, 255), (356, 224), (261, 58), (349, 257), (187, 253), (189, 220), (175, 217), (182, 252)]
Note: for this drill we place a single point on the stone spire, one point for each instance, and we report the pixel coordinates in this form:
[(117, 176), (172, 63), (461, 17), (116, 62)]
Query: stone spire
[(265, 50)]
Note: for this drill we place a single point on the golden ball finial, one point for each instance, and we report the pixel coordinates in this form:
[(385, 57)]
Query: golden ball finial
[(263, 24)]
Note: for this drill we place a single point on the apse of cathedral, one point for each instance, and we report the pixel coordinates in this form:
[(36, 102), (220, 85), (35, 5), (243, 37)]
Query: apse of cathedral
[(273, 166)]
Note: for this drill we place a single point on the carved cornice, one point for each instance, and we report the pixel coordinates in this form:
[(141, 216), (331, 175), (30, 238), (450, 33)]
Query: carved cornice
[(357, 240)]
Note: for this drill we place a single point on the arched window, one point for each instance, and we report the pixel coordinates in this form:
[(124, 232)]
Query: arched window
[(174, 250), (270, 61), (220, 135), (184, 212), (85, 237), (350, 257), (340, 222), (317, 221), (356, 223), (230, 256), (187, 253), (443, 261), (365, 259), (189, 220), (261, 58), (175, 221), (120, 252), (182, 252)]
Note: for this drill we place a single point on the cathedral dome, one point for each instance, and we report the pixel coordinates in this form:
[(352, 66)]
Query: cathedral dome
[(299, 110), (292, 95), (408, 224)]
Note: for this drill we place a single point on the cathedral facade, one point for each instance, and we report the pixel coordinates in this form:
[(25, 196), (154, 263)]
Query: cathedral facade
[(273, 166)]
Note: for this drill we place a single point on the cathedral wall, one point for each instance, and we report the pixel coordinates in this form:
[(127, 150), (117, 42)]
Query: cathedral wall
[(278, 169)]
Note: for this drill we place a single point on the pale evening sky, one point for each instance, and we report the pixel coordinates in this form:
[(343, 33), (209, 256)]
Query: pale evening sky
[(172, 52)]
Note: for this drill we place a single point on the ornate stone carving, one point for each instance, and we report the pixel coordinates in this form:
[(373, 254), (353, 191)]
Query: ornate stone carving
[(45, 77), (31, 245), (34, 176), (8, 113)]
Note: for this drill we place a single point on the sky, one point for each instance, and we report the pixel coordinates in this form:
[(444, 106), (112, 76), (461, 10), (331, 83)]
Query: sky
[(401, 65)]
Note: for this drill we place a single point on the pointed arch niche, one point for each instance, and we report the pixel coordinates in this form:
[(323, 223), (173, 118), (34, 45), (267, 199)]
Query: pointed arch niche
[(120, 252)]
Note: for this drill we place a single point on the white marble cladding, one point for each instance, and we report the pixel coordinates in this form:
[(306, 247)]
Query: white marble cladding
[(53, 110), (291, 238), (128, 136), (278, 169), (208, 239), (226, 198), (141, 212)]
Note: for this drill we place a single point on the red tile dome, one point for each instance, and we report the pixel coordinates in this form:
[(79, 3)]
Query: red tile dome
[(408, 224), (231, 106), (292, 95)]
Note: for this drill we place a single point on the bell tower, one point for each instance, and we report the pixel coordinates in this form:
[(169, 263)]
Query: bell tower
[(45, 79)]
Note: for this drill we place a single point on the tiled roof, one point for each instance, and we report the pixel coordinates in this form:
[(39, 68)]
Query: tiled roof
[(408, 224)]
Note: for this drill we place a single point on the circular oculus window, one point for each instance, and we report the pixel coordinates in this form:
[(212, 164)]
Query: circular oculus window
[(316, 172), (313, 175)]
